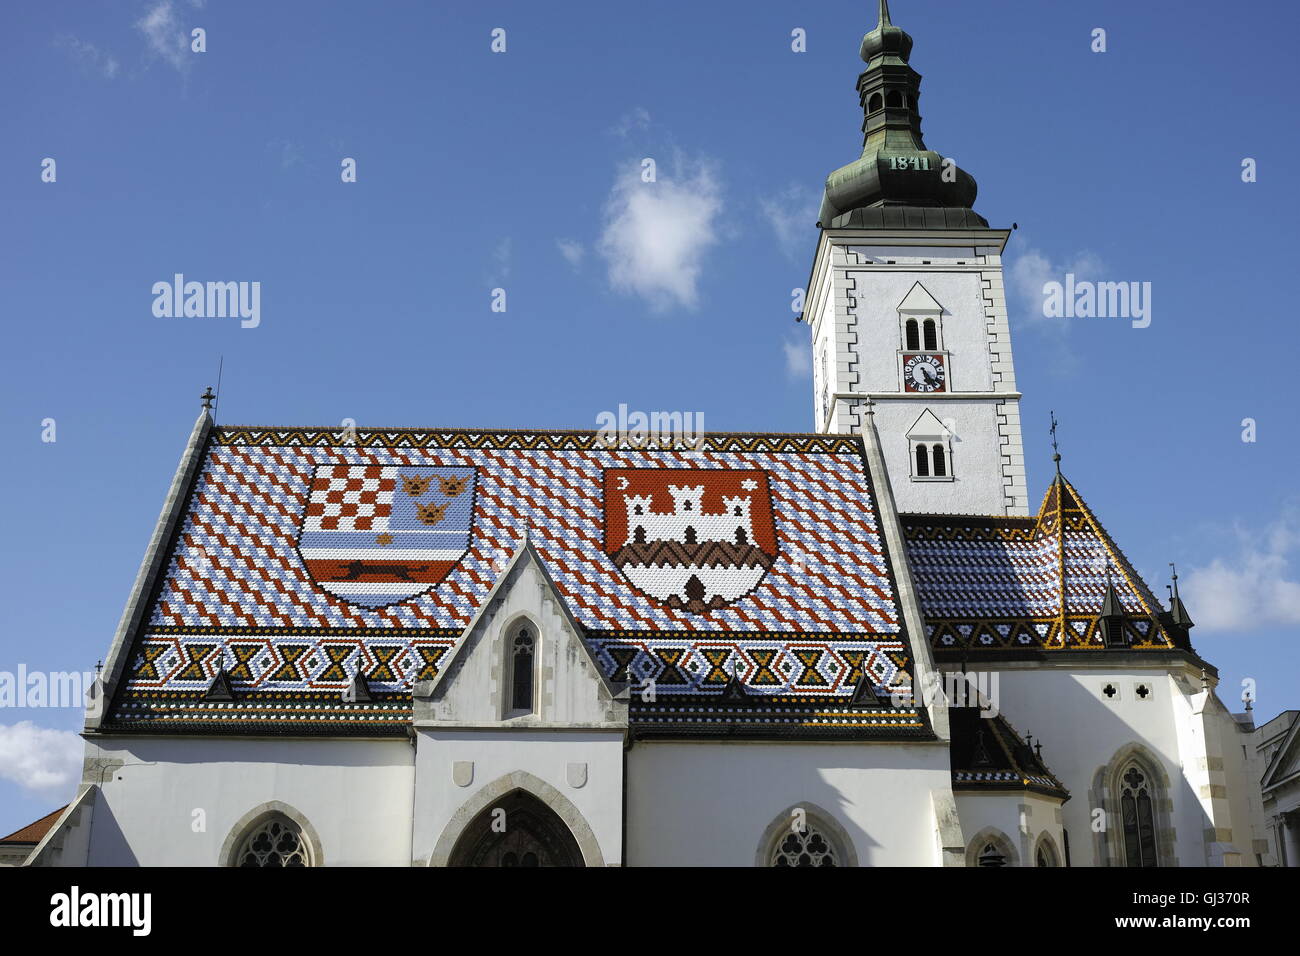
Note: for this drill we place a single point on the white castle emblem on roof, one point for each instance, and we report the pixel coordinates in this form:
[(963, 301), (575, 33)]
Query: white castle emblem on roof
[(688, 522)]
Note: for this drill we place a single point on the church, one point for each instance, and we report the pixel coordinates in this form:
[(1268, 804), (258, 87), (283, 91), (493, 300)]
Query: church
[(866, 645)]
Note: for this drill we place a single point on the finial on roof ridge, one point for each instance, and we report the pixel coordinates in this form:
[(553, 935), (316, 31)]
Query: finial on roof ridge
[(208, 398), (1056, 451)]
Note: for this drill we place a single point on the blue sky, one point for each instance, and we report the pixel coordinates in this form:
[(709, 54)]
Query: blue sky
[(479, 170)]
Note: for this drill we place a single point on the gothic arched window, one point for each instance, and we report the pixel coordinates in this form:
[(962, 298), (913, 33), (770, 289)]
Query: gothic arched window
[(912, 335), (277, 842), (1045, 855), (809, 848), (806, 835), (1136, 804), (522, 655)]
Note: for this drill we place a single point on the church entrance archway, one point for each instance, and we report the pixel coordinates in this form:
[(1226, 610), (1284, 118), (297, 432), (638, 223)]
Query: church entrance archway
[(516, 830)]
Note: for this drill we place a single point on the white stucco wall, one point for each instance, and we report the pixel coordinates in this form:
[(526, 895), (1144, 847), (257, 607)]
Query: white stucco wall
[(595, 790), (356, 794), (710, 804), (975, 467), (1082, 730), (1023, 818)]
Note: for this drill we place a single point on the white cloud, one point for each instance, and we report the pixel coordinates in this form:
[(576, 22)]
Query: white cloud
[(793, 217), (289, 152), (798, 358), (1254, 588), (572, 251), (1032, 270), (89, 56), (40, 759), (657, 233), (637, 119), (165, 35), (502, 258)]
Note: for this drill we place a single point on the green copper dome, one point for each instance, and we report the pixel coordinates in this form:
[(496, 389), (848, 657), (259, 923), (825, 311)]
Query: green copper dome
[(897, 182)]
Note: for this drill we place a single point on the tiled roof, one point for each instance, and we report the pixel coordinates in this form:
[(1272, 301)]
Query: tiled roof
[(303, 552), (33, 833), (1010, 584), (987, 754)]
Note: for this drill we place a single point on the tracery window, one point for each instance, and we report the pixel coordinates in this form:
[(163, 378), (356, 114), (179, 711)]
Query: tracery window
[(278, 842), (1137, 813), (809, 847)]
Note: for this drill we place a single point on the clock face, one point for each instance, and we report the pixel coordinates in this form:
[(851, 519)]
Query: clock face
[(924, 373)]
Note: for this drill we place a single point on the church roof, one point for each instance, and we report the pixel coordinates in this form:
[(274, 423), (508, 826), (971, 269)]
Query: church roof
[(1013, 586), (301, 555), (986, 753), (33, 833)]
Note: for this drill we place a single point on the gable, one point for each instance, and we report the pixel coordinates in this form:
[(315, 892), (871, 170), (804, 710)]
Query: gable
[(472, 687), (919, 301)]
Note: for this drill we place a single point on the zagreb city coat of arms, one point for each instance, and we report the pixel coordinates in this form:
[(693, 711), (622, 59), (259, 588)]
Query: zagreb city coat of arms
[(694, 539), (375, 535)]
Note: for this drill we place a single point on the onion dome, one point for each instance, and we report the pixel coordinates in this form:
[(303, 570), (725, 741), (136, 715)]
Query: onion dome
[(897, 182)]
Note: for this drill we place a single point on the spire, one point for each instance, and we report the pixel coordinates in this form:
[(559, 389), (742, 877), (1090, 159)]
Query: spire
[(1177, 610), (897, 182)]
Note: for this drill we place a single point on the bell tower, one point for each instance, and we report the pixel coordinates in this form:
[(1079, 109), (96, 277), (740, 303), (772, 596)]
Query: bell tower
[(906, 307)]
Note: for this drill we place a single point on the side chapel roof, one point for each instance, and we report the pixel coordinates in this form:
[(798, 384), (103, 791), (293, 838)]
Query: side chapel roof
[(1021, 586), (986, 754)]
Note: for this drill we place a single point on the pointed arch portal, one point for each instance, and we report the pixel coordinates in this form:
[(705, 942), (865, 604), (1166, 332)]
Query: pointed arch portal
[(517, 830)]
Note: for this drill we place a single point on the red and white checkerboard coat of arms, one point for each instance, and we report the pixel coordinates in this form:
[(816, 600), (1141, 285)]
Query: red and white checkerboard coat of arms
[(695, 539), (375, 535)]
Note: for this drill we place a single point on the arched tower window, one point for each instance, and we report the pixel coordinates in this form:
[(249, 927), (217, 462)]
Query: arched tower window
[(523, 654), (277, 842), (922, 462), (1136, 804), (894, 98), (913, 336), (940, 461), (875, 103), (931, 336)]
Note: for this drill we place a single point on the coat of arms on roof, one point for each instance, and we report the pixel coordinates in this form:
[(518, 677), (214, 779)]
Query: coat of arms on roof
[(375, 535), (694, 539)]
